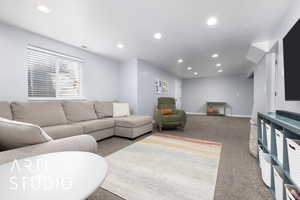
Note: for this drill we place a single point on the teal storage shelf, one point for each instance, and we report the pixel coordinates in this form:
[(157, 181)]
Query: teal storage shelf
[(290, 129)]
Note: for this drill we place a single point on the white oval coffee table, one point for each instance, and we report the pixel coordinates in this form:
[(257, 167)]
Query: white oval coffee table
[(62, 175)]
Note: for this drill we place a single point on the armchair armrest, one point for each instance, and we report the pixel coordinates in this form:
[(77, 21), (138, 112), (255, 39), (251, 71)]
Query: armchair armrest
[(158, 117), (182, 114), (77, 143)]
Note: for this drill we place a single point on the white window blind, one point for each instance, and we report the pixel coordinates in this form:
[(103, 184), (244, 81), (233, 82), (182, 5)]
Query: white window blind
[(53, 75)]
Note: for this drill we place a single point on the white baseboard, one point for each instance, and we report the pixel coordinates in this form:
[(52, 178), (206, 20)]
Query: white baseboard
[(228, 115), (241, 116), (195, 113)]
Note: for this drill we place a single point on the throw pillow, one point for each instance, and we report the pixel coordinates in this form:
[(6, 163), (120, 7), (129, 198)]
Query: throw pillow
[(15, 134), (121, 109), (166, 111)]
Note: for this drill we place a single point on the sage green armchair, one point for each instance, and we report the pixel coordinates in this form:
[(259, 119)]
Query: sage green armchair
[(178, 119)]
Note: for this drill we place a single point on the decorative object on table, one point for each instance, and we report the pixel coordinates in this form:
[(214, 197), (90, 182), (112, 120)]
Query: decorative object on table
[(177, 119), (163, 167), (63, 175), (215, 108)]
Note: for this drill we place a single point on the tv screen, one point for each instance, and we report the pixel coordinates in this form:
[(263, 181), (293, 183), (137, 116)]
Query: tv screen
[(291, 51)]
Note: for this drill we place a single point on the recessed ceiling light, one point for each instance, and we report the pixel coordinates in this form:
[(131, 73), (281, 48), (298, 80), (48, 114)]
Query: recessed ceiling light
[(189, 68), (220, 70), (120, 45), (180, 60), (215, 55), (43, 9), (195, 73), (157, 36), (219, 65), (212, 21)]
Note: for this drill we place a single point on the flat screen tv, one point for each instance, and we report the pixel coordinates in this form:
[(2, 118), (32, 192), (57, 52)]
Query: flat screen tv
[(291, 52)]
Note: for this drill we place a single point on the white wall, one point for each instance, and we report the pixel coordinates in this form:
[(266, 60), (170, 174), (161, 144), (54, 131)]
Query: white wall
[(282, 29), (100, 75), (147, 98), (260, 103), (236, 91), (266, 66), (128, 84)]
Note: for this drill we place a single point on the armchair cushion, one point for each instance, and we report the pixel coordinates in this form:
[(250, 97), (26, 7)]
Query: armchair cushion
[(171, 118)]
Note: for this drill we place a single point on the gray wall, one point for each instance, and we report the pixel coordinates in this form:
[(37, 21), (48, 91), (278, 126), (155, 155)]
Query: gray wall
[(147, 98), (100, 75), (128, 84), (237, 91)]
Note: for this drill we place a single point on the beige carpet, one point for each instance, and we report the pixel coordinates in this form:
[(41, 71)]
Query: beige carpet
[(164, 167)]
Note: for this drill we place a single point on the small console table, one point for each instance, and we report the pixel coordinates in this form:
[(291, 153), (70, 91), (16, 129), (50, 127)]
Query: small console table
[(213, 108), (288, 124)]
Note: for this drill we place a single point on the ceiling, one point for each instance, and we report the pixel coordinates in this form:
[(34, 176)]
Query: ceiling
[(101, 24)]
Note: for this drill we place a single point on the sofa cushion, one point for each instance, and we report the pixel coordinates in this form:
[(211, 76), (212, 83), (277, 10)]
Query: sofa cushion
[(15, 134), (63, 131), (96, 125), (77, 111), (104, 109), (39, 113), (5, 110), (133, 121)]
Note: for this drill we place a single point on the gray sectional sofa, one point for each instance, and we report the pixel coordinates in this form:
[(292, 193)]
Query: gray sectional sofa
[(71, 124)]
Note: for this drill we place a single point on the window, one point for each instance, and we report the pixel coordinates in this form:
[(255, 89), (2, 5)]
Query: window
[(52, 75)]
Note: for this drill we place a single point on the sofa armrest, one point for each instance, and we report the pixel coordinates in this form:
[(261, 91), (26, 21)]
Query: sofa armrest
[(77, 143)]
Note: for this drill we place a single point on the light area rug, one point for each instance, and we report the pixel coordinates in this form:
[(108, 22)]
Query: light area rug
[(164, 167)]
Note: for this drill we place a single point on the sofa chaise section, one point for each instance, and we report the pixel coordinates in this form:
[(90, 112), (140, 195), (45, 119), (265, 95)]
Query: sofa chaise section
[(133, 126)]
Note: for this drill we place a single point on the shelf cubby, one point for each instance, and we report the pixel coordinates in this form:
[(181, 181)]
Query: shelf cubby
[(290, 128)]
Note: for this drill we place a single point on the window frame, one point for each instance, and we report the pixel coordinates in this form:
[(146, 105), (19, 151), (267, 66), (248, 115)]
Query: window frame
[(61, 55)]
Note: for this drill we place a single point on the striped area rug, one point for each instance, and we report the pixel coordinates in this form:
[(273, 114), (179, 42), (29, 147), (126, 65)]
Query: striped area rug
[(164, 167)]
